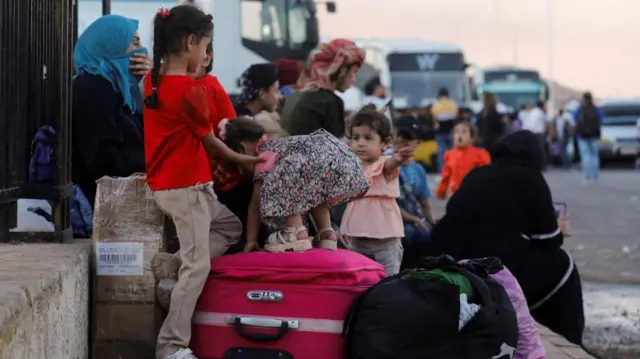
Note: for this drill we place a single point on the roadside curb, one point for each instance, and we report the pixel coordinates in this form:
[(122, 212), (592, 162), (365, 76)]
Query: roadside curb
[(559, 348)]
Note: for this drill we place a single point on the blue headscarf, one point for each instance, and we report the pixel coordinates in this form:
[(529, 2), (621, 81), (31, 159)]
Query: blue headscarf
[(101, 50)]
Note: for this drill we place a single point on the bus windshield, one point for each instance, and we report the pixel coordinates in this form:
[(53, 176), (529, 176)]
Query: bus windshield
[(516, 100), (415, 87)]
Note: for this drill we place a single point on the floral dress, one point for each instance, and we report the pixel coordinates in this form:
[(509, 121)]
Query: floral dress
[(305, 171)]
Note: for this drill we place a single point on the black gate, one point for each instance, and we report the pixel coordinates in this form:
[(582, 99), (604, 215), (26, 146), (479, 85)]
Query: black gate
[(36, 46)]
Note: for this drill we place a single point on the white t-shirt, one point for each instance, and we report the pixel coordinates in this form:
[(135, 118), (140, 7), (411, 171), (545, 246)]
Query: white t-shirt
[(534, 120)]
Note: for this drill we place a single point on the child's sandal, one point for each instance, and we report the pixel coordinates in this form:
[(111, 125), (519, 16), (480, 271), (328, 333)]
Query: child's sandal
[(285, 240), (331, 244)]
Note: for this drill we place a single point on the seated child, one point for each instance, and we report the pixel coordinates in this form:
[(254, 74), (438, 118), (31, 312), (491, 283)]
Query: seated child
[(460, 160), (373, 223), (414, 195), (306, 173)]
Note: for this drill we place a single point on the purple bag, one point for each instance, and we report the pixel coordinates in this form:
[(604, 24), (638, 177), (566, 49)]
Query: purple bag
[(529, 344)]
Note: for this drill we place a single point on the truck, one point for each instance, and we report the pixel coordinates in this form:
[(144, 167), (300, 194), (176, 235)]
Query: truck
[(514, 86), (414, 70), (245, 32)]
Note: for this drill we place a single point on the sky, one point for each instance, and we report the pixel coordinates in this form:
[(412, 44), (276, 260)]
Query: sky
[(594, 43)]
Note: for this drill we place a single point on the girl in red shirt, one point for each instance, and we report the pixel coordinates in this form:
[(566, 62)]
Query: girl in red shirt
[(178, 137)]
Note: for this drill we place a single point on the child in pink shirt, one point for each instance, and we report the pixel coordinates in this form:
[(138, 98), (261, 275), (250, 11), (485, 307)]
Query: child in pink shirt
[(301, 174), (373, 224)]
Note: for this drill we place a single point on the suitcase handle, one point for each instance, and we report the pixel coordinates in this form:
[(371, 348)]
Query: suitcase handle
[(283, 327)]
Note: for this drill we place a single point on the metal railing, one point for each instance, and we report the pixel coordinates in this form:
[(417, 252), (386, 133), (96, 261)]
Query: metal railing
[(36, 46)]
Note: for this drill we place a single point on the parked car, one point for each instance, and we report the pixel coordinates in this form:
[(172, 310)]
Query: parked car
[(620, 137)]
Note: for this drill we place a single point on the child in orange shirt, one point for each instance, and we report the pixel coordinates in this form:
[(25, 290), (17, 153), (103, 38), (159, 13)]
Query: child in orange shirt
[(461, 160)]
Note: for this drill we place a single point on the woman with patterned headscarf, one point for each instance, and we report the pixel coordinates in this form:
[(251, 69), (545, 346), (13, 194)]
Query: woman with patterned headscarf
[(260, 90), (316, 105)]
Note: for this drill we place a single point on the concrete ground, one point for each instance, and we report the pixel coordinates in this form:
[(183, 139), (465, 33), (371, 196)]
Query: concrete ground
[(605, 219)]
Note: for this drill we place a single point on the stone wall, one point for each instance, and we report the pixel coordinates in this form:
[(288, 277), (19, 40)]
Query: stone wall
[(44, 300)]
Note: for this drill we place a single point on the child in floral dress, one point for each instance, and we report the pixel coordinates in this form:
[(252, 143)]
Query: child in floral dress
[(307, 173)]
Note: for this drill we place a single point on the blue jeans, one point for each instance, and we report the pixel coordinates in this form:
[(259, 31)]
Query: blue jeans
[(564, 154), (589, 158), (445, 142)]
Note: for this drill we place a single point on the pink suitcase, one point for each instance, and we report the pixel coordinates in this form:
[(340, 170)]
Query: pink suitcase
[(279, 305)]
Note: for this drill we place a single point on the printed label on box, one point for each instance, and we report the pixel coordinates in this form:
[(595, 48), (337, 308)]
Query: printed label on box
[(119, 258)]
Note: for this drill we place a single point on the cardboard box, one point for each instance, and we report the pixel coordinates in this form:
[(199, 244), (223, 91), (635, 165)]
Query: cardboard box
[(127, 233)]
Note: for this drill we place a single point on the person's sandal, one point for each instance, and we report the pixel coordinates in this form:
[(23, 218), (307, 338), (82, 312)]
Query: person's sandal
[(287, 240), (331, 244)]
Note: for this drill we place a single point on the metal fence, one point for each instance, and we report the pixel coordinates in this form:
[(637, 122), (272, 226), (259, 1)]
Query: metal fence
[(36, 45)]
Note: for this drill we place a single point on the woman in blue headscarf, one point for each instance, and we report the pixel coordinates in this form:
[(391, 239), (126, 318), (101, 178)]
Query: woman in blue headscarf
[(107, 134)]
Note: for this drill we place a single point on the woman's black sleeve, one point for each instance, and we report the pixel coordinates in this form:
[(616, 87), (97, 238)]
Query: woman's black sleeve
[(97, 136), (538, 203), (334, 119)]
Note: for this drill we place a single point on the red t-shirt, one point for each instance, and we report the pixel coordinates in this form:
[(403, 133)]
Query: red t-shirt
[(174, 153), (220, 105)]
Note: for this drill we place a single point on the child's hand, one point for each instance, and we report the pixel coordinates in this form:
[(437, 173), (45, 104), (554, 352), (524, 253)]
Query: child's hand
[(403, 154), (565, 225), (247, 162), (251, 246), (419, 223)]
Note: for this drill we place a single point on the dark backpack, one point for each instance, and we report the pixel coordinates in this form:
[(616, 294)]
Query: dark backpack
[(418, 319), (43, 157), (41, 171), (588, 122)]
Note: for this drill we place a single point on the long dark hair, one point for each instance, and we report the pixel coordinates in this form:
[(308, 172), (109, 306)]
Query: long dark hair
[(170, 29)]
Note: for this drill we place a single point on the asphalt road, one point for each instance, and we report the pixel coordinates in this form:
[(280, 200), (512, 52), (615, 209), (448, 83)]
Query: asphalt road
[(605, 218)]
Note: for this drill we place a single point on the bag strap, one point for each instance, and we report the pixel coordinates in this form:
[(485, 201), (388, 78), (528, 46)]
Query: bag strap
[(476, 271)]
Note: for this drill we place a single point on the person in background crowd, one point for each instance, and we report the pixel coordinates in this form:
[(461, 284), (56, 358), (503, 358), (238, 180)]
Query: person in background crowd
[(270, 121), (460, 160), (534, 119), (288, 72), (375, 93), (564, 130), (427, 147), (445, 112), (489, 123), (414, 194), (373, 223), (107, 133), (260, 90), (315, 106), (588, 119), (505, 210)]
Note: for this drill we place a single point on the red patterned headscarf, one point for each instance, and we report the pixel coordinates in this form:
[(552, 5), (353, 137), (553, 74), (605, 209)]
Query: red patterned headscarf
[(331, 57)]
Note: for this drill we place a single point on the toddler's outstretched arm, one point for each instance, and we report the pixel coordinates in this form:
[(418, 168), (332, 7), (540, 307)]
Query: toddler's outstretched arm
[(253, 219), (392, 164)]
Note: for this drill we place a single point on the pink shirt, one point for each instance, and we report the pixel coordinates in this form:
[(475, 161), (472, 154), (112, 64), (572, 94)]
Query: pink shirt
[(376, 214)]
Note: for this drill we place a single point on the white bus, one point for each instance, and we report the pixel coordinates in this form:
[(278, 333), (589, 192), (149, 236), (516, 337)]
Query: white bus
[(414, 70)]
